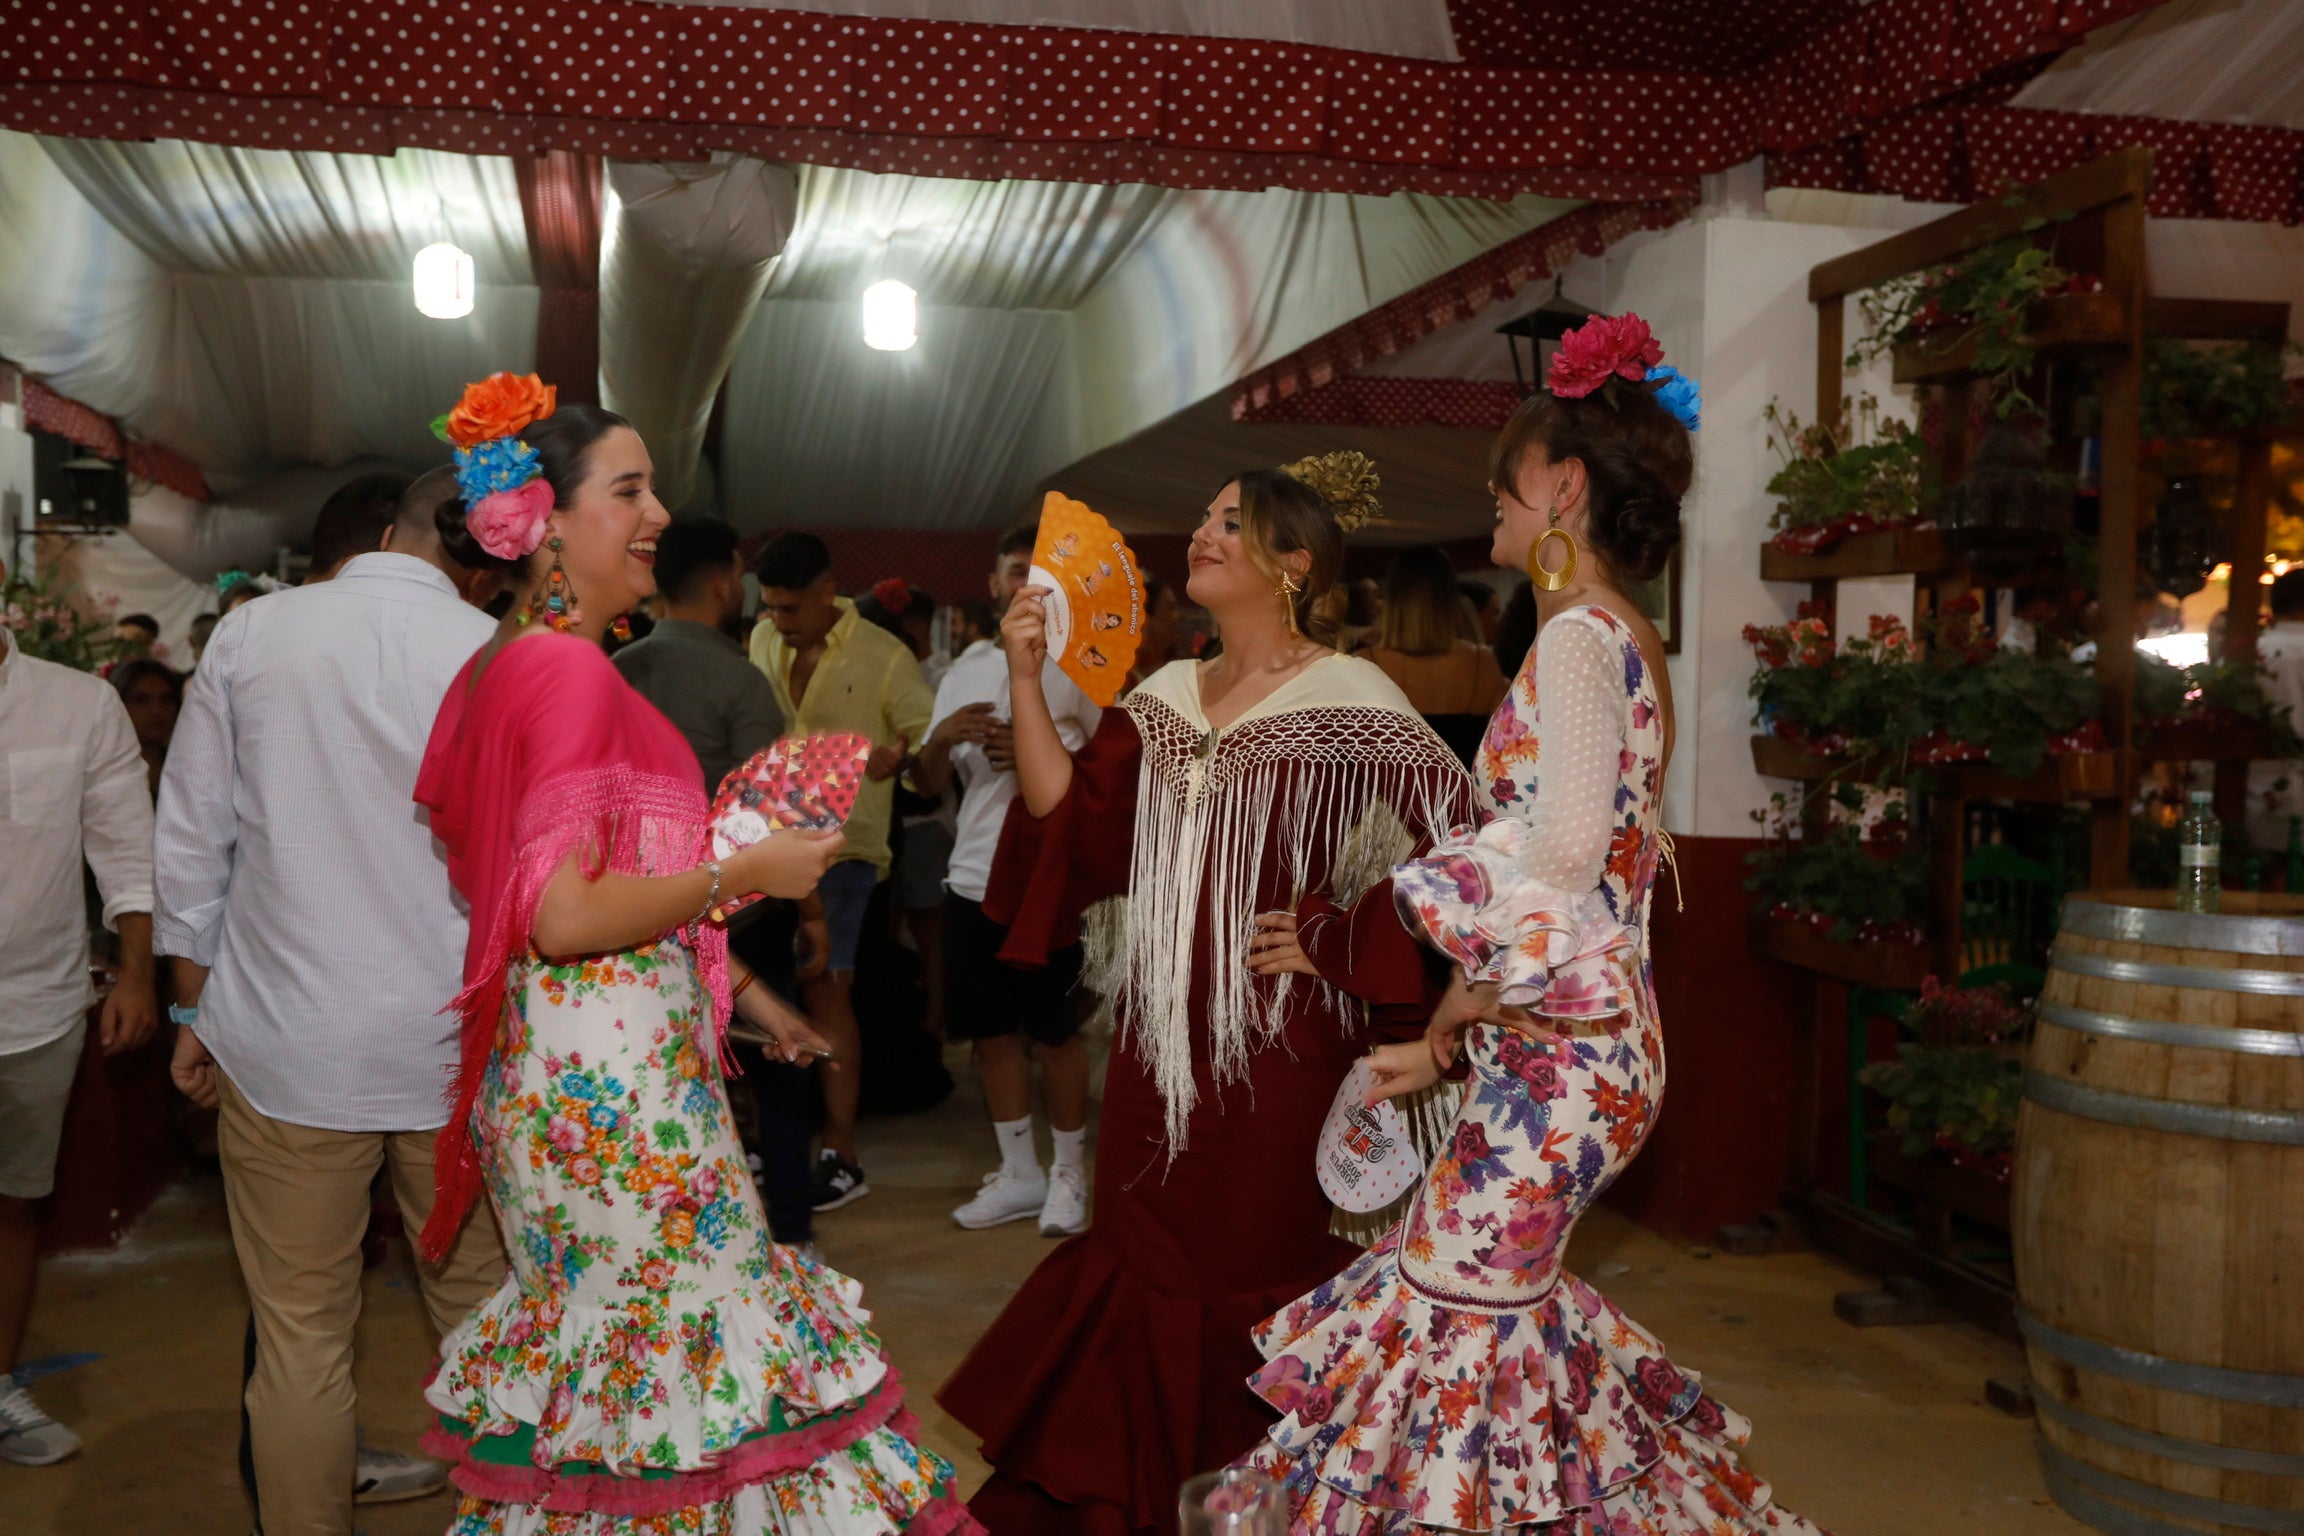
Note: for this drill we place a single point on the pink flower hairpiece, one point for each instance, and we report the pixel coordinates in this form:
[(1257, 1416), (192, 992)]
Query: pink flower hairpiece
[(1609, 347), (1602, 348)]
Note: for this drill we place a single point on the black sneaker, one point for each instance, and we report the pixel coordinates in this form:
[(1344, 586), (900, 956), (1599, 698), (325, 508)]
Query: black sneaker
[(837, 1182)]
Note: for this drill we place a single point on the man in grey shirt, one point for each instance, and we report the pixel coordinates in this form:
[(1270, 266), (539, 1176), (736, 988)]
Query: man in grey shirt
[(690, 666)]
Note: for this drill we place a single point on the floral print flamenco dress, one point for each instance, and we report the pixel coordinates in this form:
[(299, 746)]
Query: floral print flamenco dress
[(653, 1364), (1455, 1376)]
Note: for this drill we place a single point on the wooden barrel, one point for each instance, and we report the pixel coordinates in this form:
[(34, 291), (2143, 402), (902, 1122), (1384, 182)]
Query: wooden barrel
[(2158, 1215)]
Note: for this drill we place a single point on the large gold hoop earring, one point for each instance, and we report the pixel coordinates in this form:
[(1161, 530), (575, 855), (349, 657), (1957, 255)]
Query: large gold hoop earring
[(1552, 581)]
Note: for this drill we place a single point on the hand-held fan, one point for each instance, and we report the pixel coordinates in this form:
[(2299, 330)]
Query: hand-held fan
[(1095, 597), (798, 783), (1365, 1159)]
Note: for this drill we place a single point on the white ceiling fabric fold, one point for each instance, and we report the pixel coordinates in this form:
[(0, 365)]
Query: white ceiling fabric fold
[(1054, 320), (2208, 61), (1407, 28), (281, 213)]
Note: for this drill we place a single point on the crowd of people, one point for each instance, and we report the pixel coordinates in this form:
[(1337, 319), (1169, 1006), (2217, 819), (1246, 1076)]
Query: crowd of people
[(448, 776)]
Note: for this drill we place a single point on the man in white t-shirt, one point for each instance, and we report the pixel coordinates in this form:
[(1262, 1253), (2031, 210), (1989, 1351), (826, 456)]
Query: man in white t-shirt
[(2276, 789), (993, 1005)]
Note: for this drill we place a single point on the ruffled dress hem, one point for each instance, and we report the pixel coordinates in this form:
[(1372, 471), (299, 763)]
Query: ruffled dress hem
[(1401, 1411)]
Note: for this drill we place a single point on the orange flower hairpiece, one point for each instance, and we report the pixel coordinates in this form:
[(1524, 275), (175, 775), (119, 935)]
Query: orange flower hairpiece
[(498, 406)]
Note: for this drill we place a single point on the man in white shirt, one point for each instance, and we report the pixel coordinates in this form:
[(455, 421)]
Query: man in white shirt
[(316, 941), (71, 789), (2276, 790), (993, 1005)]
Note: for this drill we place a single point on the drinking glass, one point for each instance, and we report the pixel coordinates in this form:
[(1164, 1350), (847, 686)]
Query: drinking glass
[(1238, 1501)]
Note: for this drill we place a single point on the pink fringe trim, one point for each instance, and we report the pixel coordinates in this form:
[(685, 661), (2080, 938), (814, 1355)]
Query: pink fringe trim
[(754, 1461)]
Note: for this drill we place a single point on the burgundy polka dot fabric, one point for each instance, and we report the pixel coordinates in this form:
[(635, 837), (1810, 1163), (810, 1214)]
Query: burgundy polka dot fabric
[(1365, 400), (1626, 102), (1976, 146), (1317, 369), (100, 434)]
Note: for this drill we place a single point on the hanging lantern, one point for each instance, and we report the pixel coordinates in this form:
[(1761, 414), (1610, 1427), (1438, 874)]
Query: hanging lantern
[(2180, 549), (444, 282), (1540, 330), (2010, 512), (891, 316)]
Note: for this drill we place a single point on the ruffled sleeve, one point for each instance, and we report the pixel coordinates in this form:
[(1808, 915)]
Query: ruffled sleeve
[(1050, 869), (1519, 903)]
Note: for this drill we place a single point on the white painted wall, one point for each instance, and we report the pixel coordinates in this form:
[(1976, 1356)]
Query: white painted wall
[(1727, 296)]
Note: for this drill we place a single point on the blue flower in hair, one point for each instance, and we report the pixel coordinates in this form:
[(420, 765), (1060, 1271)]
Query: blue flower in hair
[(1677, 393), (500, 464)]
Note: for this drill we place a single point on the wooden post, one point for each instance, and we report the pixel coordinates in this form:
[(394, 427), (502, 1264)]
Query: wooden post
[(1947, 865), (2122, 449), (1831, 359), (2244, 600)]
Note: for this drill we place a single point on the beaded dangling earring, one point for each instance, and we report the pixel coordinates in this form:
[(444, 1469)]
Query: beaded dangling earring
[(1286, 591), (555, 601), (621, 628)]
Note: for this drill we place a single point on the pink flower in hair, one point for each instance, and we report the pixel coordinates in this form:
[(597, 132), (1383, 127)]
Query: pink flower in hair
[(1603, 347), (510, 524)]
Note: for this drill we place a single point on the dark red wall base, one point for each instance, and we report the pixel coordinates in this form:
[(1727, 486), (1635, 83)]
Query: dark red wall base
[(1720, 1148)]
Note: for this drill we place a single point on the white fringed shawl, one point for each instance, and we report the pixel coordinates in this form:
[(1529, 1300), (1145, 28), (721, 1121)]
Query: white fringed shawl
[(1329, 773)]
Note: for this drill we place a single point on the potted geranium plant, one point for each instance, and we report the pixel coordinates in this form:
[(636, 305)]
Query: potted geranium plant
[(1839, 481), (1983, 300), (57, 624), (1952, 1094)]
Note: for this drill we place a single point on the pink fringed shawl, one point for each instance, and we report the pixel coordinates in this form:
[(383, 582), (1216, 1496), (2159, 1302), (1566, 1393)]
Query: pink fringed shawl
[(549, 753)]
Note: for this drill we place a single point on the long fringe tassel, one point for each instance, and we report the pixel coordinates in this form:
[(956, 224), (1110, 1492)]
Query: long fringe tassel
[(1204, 826)]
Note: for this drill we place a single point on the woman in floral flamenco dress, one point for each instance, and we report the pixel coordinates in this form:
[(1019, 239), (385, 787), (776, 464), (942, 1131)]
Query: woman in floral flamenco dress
[(1219, 798), (1455, 1376), (653, 1363)]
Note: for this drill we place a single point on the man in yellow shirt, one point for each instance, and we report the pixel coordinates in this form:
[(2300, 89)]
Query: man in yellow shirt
[(834, 672)]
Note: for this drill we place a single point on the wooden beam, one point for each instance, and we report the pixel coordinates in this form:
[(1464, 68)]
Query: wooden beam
[(2216, 320), (2125, 173)]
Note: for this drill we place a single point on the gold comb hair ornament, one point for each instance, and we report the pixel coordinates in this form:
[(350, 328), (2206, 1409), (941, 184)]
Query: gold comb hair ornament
[(1345, 481)]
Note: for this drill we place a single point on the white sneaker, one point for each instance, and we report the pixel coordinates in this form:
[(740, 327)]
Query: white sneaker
[(386, 1477), (1005, 1197), (29, 1437), (1066, 1213)]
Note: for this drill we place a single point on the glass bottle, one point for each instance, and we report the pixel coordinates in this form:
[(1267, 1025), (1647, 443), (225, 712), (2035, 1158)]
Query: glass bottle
[(2199, 853)]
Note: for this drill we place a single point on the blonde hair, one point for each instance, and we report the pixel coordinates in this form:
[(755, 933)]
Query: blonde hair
[(1281, 515), (1423, 607)]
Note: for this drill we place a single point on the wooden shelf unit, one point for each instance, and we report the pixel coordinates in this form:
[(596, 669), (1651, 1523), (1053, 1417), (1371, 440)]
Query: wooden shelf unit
[(2101, 206), (1885, 967)]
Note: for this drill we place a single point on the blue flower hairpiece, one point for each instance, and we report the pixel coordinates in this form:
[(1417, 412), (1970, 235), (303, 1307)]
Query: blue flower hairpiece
[(1677, 393), (499, 464)]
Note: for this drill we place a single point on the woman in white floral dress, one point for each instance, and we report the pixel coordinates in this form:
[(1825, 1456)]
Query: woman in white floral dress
[(1456, 1376), (653, 1363)]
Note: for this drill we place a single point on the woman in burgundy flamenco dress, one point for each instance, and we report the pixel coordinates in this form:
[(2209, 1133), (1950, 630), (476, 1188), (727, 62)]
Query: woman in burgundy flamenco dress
[(1281, 778)]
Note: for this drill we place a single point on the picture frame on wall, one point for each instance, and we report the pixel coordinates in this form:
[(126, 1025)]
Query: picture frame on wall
[(1659, 599)]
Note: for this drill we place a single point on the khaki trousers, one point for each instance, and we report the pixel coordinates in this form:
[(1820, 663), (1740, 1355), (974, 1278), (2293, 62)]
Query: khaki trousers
[(299, 1200)]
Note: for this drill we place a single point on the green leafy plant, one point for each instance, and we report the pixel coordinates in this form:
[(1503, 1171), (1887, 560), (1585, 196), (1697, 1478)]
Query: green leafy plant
[(1955, 696), (2213, 693), (1852, 885), (1961, 1096), (1869, 471), (2211, 389), (1982, 297), (1958, 1087), (55, 623)]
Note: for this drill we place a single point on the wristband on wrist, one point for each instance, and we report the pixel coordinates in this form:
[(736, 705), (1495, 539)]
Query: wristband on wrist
[(183, 1017)]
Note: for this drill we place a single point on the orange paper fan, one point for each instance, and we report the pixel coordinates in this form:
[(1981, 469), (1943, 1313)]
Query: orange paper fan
[(1095, 597)]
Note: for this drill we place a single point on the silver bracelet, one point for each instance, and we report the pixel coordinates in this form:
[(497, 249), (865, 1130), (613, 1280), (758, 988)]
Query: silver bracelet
[(712, 900)]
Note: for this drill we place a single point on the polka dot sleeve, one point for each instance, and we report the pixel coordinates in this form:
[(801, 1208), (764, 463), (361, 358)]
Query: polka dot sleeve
[(1581, 703)]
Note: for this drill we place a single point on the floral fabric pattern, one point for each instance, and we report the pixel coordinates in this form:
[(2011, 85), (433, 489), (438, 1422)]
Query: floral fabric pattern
[(1455, 1376), (663, 1364)]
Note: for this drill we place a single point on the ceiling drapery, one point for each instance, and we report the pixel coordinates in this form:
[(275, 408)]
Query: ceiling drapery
[(663, 81)]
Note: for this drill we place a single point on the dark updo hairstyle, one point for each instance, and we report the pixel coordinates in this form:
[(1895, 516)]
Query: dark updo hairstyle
[(1280, 515), (1637, 460), (563, 443)]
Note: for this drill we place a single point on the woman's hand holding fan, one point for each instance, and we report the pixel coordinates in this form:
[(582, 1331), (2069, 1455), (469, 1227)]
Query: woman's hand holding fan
[(1091, 602), (802, 787)]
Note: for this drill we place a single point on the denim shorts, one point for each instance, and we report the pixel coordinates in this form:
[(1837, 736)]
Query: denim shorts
[(846, 890)]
